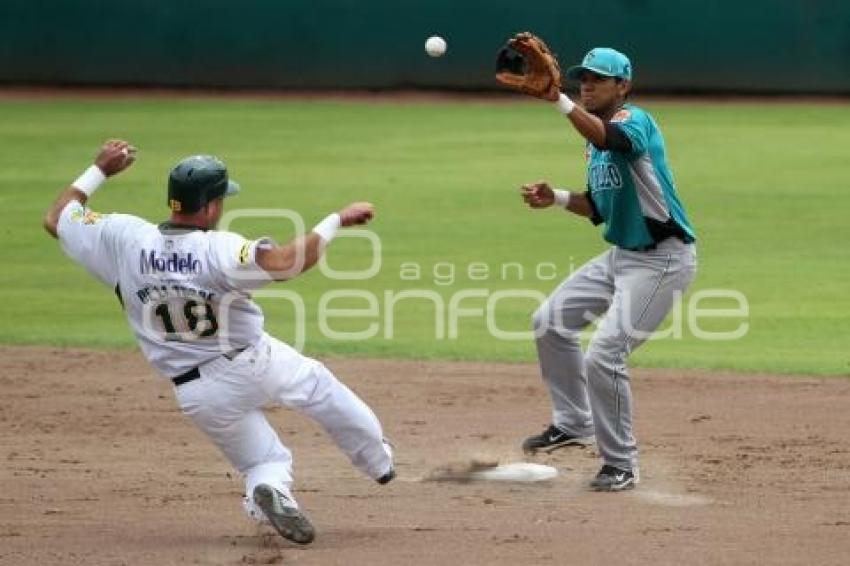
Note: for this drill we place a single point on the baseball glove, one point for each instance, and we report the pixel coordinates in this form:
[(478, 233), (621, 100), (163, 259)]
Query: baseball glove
[(526, 64)]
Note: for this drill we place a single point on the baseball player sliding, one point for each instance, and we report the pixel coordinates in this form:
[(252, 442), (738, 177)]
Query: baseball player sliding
[(632, 286), (185, 289)]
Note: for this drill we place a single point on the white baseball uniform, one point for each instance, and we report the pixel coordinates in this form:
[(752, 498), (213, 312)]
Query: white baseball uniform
[(185, 293)]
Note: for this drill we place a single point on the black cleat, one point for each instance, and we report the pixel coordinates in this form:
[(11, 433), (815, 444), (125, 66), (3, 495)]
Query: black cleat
[(387, 478), (610, 478), (553, 438), (287, 520)]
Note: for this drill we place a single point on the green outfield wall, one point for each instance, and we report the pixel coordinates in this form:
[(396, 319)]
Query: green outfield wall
[(794, 46)]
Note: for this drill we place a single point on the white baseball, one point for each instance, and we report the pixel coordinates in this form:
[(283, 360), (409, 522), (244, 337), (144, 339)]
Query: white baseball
[(435, 46)]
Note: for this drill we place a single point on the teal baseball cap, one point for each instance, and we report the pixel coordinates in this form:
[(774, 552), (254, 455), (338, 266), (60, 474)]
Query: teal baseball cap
[(603, 61)]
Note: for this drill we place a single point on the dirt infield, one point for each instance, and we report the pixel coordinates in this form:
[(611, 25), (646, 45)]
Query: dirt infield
[(98, 467)]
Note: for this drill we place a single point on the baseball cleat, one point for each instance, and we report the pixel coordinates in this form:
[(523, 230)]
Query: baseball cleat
[(610, 478), (287, 519), (553, 438), (387, 478)]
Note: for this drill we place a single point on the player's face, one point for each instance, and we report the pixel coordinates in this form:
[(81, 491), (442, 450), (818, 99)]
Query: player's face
[(602, 95)]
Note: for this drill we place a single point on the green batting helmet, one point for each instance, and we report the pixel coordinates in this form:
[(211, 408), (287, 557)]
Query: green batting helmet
[(197, 180)]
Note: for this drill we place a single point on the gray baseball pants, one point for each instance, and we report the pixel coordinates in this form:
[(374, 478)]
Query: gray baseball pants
[(632, 292)]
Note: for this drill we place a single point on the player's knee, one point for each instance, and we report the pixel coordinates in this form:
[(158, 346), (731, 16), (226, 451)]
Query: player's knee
[(323, 382), (547, 326), (323, 374), (607, 356)]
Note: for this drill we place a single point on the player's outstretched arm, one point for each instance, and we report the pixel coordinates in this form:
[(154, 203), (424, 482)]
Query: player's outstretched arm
[(601, 133), (541, 195), (302, 253), (589, 126), (114, 156)]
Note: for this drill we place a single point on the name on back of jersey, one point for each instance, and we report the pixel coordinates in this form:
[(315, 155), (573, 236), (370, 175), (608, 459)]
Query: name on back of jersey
[(153, 261), (155, 293)]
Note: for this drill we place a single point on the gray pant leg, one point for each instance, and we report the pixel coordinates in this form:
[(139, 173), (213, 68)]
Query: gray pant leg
[(647, 284), (557, 324)]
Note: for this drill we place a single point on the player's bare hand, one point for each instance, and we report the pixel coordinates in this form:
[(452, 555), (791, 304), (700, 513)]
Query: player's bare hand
[(357, 213), (115, 156), (538, 195)]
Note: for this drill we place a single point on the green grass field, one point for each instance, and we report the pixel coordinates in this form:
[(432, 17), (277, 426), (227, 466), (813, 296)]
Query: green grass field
[(766, 187)]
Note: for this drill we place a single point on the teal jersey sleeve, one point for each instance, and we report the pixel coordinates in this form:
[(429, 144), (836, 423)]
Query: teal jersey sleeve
[(637, 126)]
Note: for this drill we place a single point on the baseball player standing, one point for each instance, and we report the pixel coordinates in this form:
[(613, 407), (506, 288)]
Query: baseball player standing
[(185, 289), (630, 287)]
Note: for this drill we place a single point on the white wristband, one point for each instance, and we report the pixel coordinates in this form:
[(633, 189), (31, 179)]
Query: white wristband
[(562, 198), (90, 180), (564, 104), (326, 229)]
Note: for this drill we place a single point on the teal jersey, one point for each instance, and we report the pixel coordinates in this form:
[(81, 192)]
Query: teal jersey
[(633, 193)]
